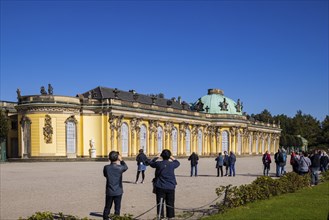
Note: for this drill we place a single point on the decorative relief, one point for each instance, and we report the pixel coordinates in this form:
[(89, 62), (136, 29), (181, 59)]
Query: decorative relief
[(233, 131), (135, 125), (218, 133), (153, 126), (48, 130), (182, 128), (71, 119), (48, 109), (168, 127)]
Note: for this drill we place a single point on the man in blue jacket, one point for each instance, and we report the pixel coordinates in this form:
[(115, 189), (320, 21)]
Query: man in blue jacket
[(113, 174), (165, 182)]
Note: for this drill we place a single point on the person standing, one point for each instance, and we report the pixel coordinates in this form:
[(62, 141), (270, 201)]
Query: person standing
[(266, 162), (232, 160), (141, 165), (304, 164), (226, 162), (219, 164), (165, 182), (284, 162), (278, 158), (315, 167), (294, 161), (194, 158), (114, 190), (324, 160)]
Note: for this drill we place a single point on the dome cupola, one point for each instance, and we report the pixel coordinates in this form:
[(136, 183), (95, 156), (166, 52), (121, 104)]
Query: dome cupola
[(216, 103)]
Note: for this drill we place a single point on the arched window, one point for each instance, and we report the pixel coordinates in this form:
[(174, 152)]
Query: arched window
[(250, 144), (257, 142), (269, 143), (160, 138), (263, 145), (239, 144), (188, 142), (26, 137), (143, 138), (225, 144), (71, 136), (174, 141), (124, 139), (199, 142)]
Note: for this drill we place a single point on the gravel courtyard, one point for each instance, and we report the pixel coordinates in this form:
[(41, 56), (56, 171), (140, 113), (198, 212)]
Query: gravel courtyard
[(78, 188)]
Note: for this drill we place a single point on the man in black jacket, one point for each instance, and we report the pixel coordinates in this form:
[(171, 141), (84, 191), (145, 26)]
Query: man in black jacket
[(194, 158), (165, 182), (315, 167), (113, 174)]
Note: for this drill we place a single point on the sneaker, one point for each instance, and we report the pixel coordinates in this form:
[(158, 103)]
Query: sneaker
[(136, 182), (142, 182)]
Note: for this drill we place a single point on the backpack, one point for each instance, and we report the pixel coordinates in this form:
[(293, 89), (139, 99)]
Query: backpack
[(280, 158)]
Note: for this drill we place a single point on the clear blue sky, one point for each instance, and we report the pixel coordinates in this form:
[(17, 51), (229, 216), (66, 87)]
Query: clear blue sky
[(270, 54)]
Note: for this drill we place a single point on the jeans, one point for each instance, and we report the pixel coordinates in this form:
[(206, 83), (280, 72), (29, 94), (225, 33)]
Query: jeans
[(220, 168), (232, 169), (108, 205), (168, 196), (315, 175), (266, 169), (195, 168), (278, 170)]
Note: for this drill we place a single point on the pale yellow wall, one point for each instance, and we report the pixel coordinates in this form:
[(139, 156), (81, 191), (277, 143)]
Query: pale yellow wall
[(91, 128), (35, 134)]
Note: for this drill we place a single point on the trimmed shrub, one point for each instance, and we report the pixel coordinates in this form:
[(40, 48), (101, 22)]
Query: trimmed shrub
[(262, 188)]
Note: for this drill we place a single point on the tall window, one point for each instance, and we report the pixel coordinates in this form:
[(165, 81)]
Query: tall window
[(26, 130), (159, 137), (188, 142), (250, 144), (263, 145), (225, 144), (174, 141), (70, 137), (239, 143), (199, 141), (269, 143), (143, 138), (257, 142), (124, 139)]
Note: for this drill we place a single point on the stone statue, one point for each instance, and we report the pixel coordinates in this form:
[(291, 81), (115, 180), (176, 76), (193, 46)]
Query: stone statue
[(50, 89), (18, 91), (43, 90), (239, 106), (92, 143), (223, 105), (199, 106)]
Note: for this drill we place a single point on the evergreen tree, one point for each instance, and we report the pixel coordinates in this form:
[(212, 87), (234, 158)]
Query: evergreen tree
[(4, 127)]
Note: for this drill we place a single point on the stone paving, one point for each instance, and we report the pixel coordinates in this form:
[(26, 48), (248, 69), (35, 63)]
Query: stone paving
[(78, 188)]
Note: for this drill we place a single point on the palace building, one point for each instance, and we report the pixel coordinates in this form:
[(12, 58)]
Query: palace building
[(105, 119)]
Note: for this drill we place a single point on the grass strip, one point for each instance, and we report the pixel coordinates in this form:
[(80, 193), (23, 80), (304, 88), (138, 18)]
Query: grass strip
[(308, 204)]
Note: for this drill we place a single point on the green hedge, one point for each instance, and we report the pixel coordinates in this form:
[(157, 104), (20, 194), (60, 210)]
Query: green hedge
[(263, 187)]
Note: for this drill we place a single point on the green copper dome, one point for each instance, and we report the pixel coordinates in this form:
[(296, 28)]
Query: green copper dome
[(216, 103)]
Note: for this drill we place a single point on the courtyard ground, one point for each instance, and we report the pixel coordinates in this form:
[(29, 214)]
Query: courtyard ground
[(78, 188)]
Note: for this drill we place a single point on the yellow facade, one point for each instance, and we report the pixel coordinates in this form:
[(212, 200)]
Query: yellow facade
[(61, 126)]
